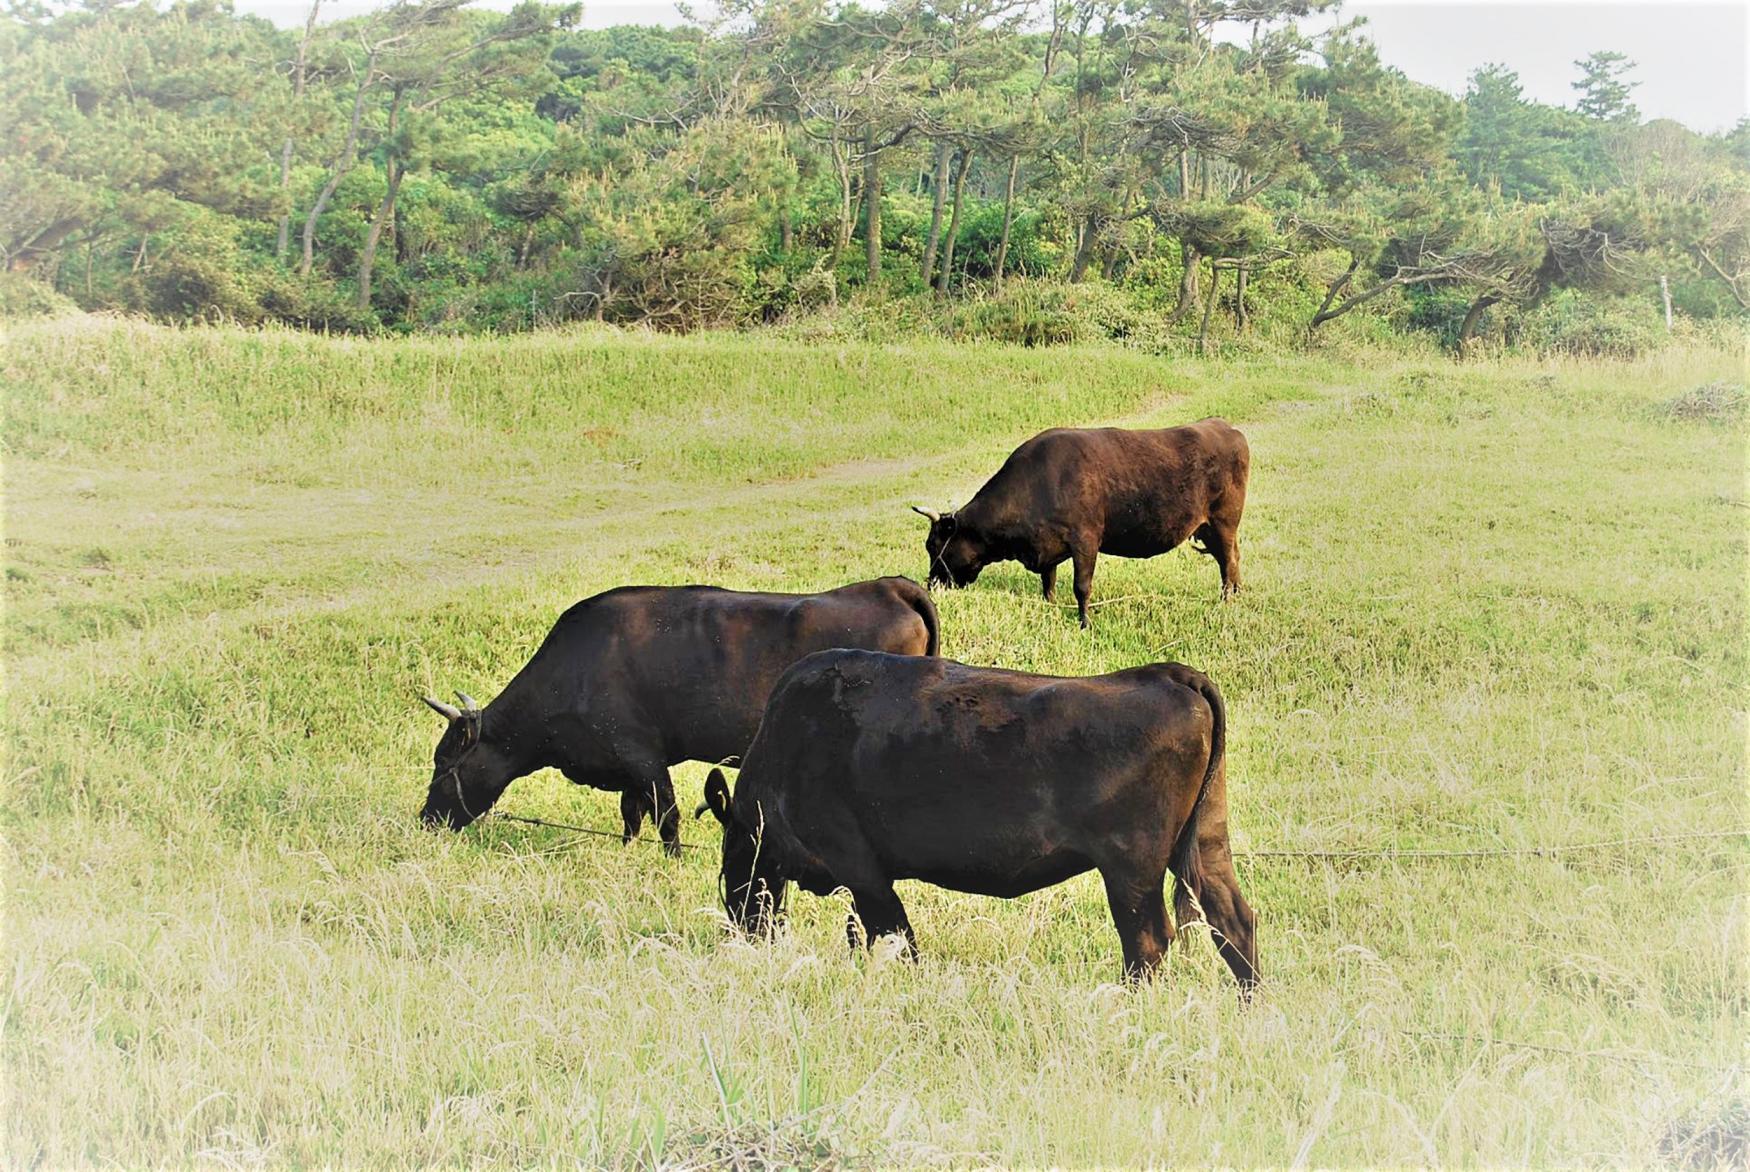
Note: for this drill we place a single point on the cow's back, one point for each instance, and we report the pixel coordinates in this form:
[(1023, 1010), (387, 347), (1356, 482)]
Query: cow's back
[(685, 670), (917, 753), (1141, 491)]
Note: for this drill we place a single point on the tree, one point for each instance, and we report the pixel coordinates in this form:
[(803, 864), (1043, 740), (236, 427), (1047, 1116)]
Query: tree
[(126, 124), (300, 76), (1604, 94), (1436, 234), (1527, 150), (434, 54)]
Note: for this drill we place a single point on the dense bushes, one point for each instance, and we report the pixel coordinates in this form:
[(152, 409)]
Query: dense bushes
[(1591, 327), (21, 297), (464, 170)]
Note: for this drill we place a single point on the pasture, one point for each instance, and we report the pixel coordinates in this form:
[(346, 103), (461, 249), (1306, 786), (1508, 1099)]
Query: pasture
[(1497, 605)]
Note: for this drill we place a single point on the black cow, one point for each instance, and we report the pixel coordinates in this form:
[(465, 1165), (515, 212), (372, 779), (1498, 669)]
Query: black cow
[(634, 680), (1074, 494), (871, 767)]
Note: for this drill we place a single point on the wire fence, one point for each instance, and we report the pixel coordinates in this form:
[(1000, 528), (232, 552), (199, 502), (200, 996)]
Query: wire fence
[(1341, 854)]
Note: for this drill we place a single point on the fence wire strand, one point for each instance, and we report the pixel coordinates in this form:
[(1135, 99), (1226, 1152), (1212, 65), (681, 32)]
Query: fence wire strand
[(1390, 854)]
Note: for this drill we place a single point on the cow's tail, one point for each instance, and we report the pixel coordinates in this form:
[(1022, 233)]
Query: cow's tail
[(919, 600), (1186, 860)]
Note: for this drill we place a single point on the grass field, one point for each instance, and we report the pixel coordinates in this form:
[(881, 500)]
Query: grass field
[(1492, 605)]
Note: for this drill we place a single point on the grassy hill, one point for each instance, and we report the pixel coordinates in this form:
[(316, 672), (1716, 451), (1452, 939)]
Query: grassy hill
[(1489, 606)]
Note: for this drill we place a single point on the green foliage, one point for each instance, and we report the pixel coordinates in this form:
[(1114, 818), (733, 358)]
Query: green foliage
[(461, 170), (1525, 149), (1437, 312), (1604, 94), (672, 233), (981, 233), (1570, 323), (21, 297)]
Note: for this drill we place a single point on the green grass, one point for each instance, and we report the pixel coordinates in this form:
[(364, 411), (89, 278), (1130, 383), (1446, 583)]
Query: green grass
[(1488, 605)]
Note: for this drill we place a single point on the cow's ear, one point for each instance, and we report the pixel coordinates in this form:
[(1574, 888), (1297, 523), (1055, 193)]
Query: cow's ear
[(716, 796)]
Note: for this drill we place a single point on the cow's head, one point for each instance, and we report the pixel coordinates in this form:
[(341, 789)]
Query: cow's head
[(468, 772), (752, 889), (956, 553)]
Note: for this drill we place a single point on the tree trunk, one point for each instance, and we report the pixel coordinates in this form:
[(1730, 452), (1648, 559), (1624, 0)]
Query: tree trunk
[(842, 235), (1187, 284), (35, 248), (1084, 251), (1472, 316), (1331, 294), (953, 224), (1209, 308), (368, 258), (1665, 294), (392, 172), (1240, 300), (941, 196), (1008, 219), (298, 76), (342, 164), (1733, 284), (872, 207)]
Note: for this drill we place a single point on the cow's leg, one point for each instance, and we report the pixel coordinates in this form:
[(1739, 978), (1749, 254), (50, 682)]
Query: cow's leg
[(877, 906), (1220, 535), (1084, 557), (1139, 910), (664, 812), (1048, 583), (1230, 916), (649, 790), (631, 812), (1224, 544), (1231, 919)]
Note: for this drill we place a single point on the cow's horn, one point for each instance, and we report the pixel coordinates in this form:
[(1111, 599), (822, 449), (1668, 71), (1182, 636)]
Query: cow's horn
[(444, 710), (472, 708), (930, 513)]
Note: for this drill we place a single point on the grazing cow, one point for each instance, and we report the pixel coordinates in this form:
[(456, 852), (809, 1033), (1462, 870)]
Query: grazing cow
[(871, 767), (1074, 493), (634, 680)]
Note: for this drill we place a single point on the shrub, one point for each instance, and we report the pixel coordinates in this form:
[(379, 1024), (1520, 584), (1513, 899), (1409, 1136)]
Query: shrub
[(20, 296), (1591, 326), (1715, 402), (1439, 312), (1051, 313)]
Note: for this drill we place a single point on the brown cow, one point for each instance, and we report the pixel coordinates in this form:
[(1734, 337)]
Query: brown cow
[(1072, 494)]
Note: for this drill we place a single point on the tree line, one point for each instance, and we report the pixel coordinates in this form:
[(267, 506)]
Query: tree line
[(430, 166)]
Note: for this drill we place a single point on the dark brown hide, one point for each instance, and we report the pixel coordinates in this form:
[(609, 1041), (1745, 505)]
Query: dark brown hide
[(634, 680), (1073, 494), (869, 768)]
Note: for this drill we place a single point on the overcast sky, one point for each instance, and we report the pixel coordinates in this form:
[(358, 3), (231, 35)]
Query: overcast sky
[(1690, 57)]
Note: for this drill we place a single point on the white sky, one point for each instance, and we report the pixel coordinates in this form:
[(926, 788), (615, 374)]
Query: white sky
[(1690, 57)]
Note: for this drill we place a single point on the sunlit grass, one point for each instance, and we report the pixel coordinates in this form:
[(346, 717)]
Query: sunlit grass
[(1488, 605)]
